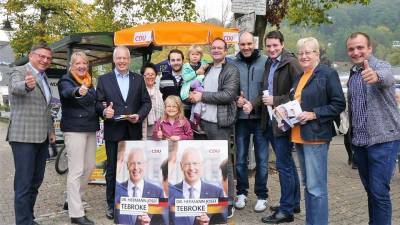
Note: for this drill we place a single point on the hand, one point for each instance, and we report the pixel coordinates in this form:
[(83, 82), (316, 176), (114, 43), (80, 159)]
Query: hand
[(30, 81), (203, 219), (368, 74), (52, 138), (247, 107), (306, 116), (200, 71), (195, 96), (268, 100), (134, 118), (174, 138), (83, 90), (241, 100), (160, 133), (144, 219), (109, 111)]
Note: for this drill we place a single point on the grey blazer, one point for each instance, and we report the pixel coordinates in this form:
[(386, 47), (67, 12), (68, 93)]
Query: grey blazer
[(30, 119)]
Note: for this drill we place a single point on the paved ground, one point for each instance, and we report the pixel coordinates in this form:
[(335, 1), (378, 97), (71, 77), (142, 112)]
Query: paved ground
[(347, 199)]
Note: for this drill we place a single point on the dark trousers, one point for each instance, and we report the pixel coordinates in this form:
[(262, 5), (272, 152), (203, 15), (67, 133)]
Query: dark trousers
[(375, 166), (30, 164), (111, 168)]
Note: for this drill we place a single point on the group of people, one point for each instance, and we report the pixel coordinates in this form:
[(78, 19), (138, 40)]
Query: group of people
[(226, 97)]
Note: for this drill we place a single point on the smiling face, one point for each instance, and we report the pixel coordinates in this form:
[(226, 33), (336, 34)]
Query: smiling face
[(122, 60), (308, 53), (171, 109), (40, 59), (358, 49), (149, 76), (273, 47), (246, 44), (80, 66), (191, 165), (176, 62), (218, 51), (136, 165)]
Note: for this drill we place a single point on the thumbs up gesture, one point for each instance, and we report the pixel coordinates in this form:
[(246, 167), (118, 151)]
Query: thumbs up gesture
[(247, 106), (83, 89), (368, 74), (109, 111), (241, 100), (30, 81), (160, 133)]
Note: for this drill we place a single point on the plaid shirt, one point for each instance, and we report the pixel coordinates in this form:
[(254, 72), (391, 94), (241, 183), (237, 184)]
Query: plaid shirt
[(357, 93)]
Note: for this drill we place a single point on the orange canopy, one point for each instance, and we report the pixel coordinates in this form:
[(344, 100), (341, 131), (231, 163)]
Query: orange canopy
[(174, 33)]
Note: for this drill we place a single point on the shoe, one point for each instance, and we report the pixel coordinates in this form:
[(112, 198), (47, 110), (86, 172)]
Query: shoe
[(275, 208), (65, 206), (110, 213), (240, 202), (261, 205), (353, 165), (82, 221), (231, 211), (277, 217)]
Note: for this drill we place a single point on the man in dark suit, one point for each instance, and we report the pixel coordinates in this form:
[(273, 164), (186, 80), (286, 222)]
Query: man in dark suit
[(123, 100), (30, 129), (136, 186), (192, 187)]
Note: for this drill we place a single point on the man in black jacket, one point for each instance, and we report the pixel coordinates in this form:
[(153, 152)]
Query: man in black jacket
[(171, 82), (123, 100)]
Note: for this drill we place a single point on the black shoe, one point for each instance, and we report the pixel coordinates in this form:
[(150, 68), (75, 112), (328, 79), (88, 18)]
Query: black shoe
[(277, 217), (353, 165), (275, 208), (110, 213), (65, 206), (82, 221)]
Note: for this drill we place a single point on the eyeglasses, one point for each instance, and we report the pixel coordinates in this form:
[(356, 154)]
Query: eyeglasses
[(42, 57), (307, 53), (194, 164)]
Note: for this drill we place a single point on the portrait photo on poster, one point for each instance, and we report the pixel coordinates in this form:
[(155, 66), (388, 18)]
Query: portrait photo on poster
[(140, 196), (198, 182)]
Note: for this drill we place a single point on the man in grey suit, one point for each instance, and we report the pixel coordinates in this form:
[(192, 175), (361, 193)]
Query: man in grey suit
[(30, 129)]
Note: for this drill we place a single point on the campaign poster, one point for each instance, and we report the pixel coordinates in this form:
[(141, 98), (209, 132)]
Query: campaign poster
[(99, 172), (198, 182), (141, 183)]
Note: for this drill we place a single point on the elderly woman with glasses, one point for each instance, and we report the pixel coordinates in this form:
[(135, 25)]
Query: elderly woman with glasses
[(79, 123), (320, 95)]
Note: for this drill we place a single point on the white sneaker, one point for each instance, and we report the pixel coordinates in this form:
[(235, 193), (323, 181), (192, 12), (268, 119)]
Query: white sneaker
[(240, 202), (261, 205)]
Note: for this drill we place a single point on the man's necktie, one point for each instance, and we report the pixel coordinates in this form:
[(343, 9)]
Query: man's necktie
[(134, 194), (191, 196)]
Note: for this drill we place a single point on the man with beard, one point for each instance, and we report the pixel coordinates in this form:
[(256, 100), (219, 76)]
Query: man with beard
[(251, 66), (171, 82)]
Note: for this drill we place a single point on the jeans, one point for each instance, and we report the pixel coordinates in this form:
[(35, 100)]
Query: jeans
[(243, 129), (375, 166), (288, 176), (30, 164), (313, 160)]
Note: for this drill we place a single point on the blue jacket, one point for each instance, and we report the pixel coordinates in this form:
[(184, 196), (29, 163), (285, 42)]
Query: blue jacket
[(78, 113), (324, 96), (251, 81)]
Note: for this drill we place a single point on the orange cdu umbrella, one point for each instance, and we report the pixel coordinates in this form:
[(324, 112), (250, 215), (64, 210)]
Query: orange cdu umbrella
[(174, 33)]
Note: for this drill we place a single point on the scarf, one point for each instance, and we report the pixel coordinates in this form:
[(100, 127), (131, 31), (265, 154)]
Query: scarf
[(157, 109), (87, 79)]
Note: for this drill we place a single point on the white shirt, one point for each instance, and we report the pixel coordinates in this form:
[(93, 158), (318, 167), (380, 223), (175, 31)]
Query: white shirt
[(177, 76), (42, 78), (196, 189), (123, 83), (139, 188)]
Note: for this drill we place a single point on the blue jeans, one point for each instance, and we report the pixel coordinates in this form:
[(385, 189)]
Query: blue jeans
[(30, 164), (313, 160), (288, 176), (243, 129), (375, 165)]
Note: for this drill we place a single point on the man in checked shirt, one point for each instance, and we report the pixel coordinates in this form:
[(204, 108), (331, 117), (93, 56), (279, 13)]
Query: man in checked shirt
[(374, 124)]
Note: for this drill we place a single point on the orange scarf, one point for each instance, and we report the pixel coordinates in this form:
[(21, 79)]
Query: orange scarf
[(87, 79)]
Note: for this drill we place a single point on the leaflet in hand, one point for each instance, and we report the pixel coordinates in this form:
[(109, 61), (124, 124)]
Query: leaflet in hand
[(121, 117), (286, 114)]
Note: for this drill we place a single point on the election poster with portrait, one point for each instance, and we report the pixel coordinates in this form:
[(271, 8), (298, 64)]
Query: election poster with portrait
[(197, 173), (141, 183)]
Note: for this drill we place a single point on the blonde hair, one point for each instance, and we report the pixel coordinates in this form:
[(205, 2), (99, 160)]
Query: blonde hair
[(75, 56), (308, 41), (173, 99), (195, 48)]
